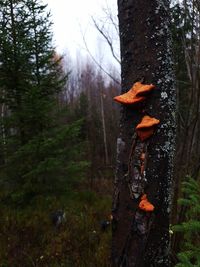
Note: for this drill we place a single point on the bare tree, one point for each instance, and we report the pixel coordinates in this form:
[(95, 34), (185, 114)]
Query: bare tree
[(100, 88), (108, 29), (99, 64)]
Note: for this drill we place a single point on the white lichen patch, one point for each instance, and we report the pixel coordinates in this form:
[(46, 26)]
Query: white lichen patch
[(120, 145), (164, 95)]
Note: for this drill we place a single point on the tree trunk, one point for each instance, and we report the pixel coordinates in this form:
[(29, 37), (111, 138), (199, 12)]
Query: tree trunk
[(142, 238), (104, 127), (3, 130)]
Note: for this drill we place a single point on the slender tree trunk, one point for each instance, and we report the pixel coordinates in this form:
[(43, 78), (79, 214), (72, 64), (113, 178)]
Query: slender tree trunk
[(3, 130), (142, 238), (104, 127)]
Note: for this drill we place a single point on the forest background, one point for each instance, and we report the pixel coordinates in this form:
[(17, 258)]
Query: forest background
[(58, 134)]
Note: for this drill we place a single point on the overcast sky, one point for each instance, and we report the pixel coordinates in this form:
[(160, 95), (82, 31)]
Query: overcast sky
[(72, 19)]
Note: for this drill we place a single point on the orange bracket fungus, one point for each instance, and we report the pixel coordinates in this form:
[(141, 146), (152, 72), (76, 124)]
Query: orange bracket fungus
[(136, 94), (145, 204), (145, 128)]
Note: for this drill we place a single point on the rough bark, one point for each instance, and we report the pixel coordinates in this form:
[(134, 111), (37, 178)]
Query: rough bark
[(140, 238)]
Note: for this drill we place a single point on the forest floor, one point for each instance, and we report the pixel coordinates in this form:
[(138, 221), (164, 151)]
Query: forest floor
[(29, 238)]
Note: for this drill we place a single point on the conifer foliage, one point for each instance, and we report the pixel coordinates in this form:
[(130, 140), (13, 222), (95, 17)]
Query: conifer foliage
[(190, 251), (30, 74), (39, 149)]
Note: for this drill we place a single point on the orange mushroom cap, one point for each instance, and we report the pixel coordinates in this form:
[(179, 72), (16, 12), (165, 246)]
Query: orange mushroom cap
[(142, 89), (135, 94), (145, 204), (128, 98), (147, 122), (145, 128)]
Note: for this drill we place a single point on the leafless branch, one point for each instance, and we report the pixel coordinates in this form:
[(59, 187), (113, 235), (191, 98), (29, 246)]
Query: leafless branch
[(107, 38), (109, 14), (96, 62)]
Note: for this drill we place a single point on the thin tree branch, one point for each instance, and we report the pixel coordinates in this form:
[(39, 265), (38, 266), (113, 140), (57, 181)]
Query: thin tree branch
[(96, 62), (108, 40)]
